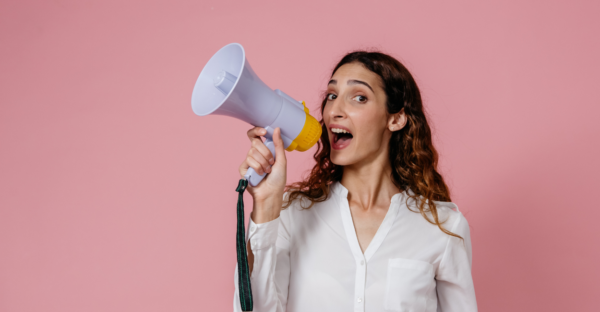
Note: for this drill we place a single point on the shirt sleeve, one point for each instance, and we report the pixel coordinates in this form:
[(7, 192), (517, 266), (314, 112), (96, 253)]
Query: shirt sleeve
[(455, 288), (271, 271)]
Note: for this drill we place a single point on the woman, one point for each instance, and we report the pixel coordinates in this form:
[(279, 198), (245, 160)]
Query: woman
[(372, 228)]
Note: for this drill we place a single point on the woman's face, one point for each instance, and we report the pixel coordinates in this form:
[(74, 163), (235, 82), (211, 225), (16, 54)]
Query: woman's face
[(356, 104)]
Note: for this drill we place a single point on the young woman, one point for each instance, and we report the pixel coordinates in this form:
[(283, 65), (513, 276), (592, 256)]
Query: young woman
[(372, 228)]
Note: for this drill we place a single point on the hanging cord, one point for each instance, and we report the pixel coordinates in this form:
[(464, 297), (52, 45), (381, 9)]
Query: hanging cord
[(245, 290)]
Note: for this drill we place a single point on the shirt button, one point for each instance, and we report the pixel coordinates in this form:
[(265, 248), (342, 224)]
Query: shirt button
[(252, 229), (359, 300), (362, 262)]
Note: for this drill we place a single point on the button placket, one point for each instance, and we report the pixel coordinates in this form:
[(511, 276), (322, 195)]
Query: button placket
[(359, 289), (360, 274)]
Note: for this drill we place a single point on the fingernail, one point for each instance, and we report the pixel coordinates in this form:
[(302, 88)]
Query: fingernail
[(269, 169), (263, 131), (271, 161)]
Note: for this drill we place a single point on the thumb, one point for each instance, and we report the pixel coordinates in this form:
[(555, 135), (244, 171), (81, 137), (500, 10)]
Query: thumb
[(279, 148)]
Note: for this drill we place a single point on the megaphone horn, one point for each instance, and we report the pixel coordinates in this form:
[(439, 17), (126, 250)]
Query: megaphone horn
[(228, 86)]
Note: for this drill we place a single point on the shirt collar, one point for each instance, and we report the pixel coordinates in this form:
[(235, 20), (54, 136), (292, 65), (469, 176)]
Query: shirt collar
[(338, 189), (411, 201)]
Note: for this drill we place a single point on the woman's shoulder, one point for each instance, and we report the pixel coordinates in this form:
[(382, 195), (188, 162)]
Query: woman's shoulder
[(453, 217), (298, 202), (300, 206), (448, 214), (298, 211)]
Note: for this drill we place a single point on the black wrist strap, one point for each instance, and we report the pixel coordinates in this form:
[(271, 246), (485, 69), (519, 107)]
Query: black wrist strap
[(245, 290)]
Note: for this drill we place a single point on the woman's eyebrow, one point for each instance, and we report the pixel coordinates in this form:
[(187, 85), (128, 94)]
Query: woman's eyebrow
[(360, 82), (352, 81)]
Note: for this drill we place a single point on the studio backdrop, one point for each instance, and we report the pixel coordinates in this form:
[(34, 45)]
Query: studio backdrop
[(115, 196)]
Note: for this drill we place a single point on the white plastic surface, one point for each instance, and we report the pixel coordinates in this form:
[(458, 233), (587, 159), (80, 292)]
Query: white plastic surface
[(228, 86)]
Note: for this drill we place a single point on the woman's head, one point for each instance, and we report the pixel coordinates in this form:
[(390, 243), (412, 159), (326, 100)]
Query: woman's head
[(375, 98), (356, 110), (356, 117)]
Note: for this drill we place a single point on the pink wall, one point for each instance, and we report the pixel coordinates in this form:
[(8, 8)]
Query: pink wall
[(114, 196)]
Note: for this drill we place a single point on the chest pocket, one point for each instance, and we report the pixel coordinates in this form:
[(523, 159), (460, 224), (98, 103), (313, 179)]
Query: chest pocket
[(409, 283)]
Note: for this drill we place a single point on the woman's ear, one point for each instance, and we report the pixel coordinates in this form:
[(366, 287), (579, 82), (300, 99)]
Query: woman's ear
[(397, 121)]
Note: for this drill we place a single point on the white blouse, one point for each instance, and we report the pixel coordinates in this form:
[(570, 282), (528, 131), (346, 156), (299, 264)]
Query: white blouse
[(310, 260)]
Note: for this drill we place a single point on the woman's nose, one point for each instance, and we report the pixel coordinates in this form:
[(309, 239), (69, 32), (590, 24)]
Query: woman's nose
[(337, 109)]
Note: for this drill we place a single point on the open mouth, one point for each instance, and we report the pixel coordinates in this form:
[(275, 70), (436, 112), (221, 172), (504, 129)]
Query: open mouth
[(341, 138)]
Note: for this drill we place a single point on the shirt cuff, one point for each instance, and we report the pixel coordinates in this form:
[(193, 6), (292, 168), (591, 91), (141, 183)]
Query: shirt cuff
[(262, 235)]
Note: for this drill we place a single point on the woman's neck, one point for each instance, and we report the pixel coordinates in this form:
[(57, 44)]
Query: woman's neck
[(370, 183)]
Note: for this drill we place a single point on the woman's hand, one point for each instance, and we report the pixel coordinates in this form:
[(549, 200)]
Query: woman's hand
[(268, 194)]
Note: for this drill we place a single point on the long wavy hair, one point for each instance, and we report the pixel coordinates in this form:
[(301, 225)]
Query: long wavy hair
[(411, 153)]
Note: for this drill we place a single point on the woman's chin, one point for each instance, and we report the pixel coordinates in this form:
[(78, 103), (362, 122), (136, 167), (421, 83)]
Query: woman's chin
[(341, 157)]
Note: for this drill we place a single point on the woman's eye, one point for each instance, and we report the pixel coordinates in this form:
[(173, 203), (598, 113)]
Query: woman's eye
[(331, 97), (360, 98)]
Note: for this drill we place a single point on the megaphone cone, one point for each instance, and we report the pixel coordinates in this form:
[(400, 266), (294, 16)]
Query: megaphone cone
[(228, 86)]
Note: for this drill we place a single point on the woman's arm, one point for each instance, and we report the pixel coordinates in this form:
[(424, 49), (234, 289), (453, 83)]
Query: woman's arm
[(270, 244), (268, 194), (268, 235), (455, 289)]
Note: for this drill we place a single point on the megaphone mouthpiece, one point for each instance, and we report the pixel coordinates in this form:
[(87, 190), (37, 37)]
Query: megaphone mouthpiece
[(225, 82)]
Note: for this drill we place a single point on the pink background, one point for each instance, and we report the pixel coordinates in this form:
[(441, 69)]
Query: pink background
[(114, 196)]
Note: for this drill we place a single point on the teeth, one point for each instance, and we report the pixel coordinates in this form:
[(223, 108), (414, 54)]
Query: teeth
[(338, 130)]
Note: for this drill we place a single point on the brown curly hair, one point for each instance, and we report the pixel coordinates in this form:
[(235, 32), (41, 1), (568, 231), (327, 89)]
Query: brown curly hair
[(411, 152)]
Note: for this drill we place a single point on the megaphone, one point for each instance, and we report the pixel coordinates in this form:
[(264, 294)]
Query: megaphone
[(228, 86)]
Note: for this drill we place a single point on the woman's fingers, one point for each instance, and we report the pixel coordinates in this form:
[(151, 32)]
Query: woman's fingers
[(279, 148), (243, 168), (260, 148), (256, 132), (255, 165), (259, 158), (250, 163), (256, 161), (254, 136)]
